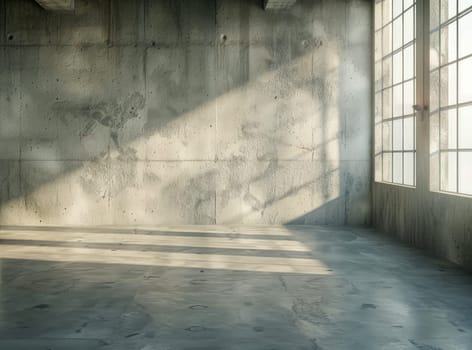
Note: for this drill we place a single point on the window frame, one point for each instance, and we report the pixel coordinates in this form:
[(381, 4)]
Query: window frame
[(437, 114), (380, 124), (425, 164)]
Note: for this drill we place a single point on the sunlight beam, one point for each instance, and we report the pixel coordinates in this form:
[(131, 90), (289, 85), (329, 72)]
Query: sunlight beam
[(139, 239), (181, 260)]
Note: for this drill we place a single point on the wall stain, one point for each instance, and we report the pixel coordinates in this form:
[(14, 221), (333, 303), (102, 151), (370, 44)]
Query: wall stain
[(112, 115)]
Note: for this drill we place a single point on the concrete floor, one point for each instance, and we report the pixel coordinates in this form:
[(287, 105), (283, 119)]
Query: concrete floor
[(226, 288)]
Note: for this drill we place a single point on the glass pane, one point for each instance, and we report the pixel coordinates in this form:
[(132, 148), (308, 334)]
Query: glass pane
[(378, 45), (387, 136), (387, 11), (434, 90), (434, 169), (378, 167), (465, 77), (378, 138), (397, 101), (408, 96), (449, 171), (448, 129), (407, 3), (378, 107), (465, 128), (398, 168), (397, 68), (397, 35), (387, 103), (408, 168), (434, 132), (464, 4), (378, 14), (465, 172), (449, 43), (378, 76), (387, 167), (397, 7), (449, 85), (408, 62), (434, 50), (448, 9), (408, 133), (434, 13), (397, 134), (387, 72), (465, 35), (387, 40), (409, 23)]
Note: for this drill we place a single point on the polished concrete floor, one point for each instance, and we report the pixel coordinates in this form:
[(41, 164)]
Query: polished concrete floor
[(218, 287)]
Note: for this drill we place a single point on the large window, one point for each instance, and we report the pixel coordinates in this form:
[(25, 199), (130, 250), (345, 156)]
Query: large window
[(451, 95), (395, 121), (449, 85)]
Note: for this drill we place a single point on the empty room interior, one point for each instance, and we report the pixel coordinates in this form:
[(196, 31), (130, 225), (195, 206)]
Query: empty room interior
[(236, 174)]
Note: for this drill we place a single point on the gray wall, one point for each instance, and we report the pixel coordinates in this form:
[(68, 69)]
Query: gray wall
[(438, 222), (185, 112)]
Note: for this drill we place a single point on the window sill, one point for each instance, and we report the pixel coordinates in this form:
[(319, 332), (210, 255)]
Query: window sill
[(453, 194), (395, 184)]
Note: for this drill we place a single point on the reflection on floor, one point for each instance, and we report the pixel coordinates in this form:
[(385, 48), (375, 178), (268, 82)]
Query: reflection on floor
[(213, 287)]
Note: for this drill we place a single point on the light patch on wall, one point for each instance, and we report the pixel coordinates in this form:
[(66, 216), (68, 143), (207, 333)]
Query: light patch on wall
[(278, 4), (269, 169), (57, 5)]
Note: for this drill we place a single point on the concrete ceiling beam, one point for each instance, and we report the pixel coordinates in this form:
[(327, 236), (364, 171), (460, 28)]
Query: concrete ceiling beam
[(57, 5), (278, 4)]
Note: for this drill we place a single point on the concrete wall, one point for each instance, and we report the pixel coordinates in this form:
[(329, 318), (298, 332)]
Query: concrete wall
[(438, 222), (185, 112)]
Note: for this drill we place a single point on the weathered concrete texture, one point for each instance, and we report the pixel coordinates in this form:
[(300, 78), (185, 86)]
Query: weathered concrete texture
[(439, 222), (153, 112), (220, 287)]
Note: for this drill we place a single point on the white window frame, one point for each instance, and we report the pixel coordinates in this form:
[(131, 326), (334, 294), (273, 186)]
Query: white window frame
[(427, 165), (384, 125), (438, 176)]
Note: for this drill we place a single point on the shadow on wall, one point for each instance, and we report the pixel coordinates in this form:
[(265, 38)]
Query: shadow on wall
[(205, 112)]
